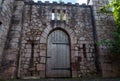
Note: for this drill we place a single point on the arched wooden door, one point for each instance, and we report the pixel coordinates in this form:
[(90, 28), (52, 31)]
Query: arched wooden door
[(58, 55)]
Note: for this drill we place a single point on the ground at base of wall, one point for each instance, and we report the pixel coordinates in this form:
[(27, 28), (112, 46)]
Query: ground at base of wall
[(66, 79)]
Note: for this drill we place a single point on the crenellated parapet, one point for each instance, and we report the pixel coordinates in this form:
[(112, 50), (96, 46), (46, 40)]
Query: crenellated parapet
[(55, 3), (29, 30)]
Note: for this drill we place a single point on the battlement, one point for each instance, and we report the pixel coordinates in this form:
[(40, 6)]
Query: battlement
[(56, 3), (54, 39)]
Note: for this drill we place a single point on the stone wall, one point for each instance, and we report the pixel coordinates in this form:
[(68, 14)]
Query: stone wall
[(28, 25), (37, 25), (11, 50), (6, 10), (104, 28)]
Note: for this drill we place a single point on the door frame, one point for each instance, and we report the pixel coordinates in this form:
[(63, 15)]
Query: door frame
[(69, 50)]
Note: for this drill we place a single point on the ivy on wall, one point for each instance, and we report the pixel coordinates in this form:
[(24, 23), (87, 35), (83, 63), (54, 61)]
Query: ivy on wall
[(114, 45)]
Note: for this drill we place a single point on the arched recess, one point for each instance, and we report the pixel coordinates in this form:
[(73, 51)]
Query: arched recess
[(58, 54), (47, 30)]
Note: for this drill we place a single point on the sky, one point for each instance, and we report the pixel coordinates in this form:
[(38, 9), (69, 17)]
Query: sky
[(73, 1)]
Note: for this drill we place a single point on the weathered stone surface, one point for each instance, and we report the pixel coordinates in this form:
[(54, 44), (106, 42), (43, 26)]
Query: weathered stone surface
[(28, 25), (40, 67)]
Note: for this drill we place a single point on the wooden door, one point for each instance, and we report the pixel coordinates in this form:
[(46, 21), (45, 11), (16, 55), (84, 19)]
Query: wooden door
[(58, 55)]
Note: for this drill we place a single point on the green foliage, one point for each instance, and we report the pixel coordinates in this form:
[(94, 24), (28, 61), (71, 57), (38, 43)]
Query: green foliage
[(116, 13), (114, 45), (113, 7)]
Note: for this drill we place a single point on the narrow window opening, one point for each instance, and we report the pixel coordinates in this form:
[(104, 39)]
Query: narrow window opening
[(58, 14), (0, 22), (84, 51), (64, 15), (31, 65), (53, 14)]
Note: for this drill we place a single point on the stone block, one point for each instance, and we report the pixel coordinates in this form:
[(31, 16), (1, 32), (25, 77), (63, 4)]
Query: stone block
[(42, 60), (44, 34), (42, 52), (36, 54), (42, 74), (40, 67), (43, 46), (74, 74), (28, 54), (42, 40)]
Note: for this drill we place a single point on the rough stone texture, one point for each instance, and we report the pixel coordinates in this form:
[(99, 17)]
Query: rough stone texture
[(25, 51), (104, 27), (36, 27), (11, 15), (6, 11), (69, 79)]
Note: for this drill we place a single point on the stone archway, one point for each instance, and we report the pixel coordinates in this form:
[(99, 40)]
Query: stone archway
[(44, 37), (47, 30)]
